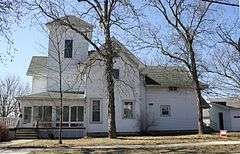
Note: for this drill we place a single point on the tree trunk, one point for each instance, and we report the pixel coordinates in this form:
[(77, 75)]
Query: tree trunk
[(61, 118), (110, 86), (197, 88), (111, 105), (4, 107), (61, 99)]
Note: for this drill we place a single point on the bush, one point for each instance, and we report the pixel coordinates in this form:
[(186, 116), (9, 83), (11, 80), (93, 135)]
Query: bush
[(4, 133)]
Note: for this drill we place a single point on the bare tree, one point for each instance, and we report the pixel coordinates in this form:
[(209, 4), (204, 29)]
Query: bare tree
[(104, 14), (184, 26), (11, 12), (225, 61), (10, 88)]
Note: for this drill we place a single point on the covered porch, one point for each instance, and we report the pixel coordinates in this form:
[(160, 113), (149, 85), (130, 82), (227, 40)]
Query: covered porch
[(42, 110)]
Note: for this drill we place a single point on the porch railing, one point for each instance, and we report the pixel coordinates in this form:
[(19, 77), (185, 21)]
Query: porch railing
[(9, 122)]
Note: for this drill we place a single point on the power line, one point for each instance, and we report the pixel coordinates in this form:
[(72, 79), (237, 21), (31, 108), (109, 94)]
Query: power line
[(224, 3)]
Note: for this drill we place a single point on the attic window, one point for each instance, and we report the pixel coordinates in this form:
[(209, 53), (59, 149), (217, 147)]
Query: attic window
[(172, 88), (68, 48)]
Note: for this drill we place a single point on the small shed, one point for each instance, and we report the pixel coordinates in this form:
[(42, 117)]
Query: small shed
[(225, 114)]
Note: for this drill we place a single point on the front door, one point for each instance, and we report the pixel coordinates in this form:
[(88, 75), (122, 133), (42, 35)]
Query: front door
[(221, 124)]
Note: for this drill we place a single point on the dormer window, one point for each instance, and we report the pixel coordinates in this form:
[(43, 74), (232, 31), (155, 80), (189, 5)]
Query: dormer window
[(172, 88), (68, 48)]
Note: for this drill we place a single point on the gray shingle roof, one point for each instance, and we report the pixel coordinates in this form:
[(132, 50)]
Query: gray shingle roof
[(168, 76), (38, 66), (231, 102)]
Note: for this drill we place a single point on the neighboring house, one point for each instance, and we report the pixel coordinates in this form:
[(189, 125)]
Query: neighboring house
[(147, 98), (225, 114)]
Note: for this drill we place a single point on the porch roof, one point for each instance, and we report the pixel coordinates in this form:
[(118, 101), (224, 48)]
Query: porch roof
[(54, 95)]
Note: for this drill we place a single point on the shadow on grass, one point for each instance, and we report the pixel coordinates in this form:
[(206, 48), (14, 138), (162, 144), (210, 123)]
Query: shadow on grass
[(123, 151)]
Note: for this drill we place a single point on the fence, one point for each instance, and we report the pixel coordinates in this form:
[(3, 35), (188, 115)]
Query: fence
[(9, 122)]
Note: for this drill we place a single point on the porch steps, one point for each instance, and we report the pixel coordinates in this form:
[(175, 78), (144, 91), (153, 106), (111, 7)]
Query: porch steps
[(26, 134)]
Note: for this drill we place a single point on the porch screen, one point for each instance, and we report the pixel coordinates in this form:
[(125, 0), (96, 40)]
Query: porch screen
[(96, 111), (47, 114), (77, 113), (66, 114), (37, 110), (27, 114), (42, 113)]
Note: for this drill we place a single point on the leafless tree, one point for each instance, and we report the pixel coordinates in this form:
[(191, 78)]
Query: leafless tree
[(10, 88), (184, 24), (225, 61), (11, 12), (104, 15)]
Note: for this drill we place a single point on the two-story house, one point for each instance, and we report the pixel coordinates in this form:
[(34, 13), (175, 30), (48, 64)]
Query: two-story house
[(147, 98)]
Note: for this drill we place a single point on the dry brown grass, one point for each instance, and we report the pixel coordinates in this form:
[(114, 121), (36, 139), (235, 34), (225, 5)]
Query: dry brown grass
[(189, 149), (131, 140)]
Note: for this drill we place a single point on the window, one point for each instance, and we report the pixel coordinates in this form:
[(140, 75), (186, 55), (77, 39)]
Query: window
[(27, 114), (77, 113), (42, 113), (165, 110), (66, 114), (37, 110), (172, 88), (80, 113), (57, 113), (68, 48), (96, 111), (128, 110), (47, 113), (73, 113), (116, 73)]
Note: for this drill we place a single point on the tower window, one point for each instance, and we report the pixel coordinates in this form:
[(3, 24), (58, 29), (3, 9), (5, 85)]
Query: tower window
[(116, 73), (68, 48)]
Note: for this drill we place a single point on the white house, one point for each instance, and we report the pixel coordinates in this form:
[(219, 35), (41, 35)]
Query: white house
[(147, 98), (225, 114)]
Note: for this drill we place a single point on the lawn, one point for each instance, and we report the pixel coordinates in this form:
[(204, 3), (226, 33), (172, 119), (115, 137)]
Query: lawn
[(190, 149), (131, 140)]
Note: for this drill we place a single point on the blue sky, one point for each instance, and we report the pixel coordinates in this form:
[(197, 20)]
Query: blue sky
[(29, 41)]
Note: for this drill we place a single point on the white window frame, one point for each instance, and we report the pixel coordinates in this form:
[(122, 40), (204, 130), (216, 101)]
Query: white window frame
[(169, 107), (133, 103), (70, 110), (91, 111)]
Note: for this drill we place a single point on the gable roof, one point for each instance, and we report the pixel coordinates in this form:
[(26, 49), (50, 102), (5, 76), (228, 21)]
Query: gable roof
[(38, 66), (231, 102), (120, 49), (168, 76), (126, 52)]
